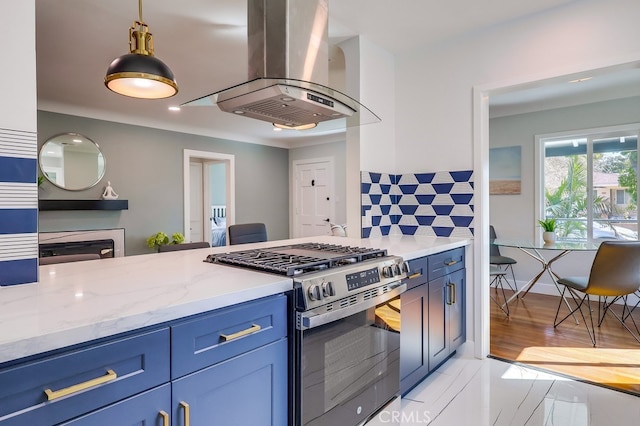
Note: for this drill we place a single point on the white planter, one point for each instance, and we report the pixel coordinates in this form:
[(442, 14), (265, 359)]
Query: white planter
[(549, 237)]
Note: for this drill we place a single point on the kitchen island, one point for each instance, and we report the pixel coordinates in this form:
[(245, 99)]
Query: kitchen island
[(158, 337), (82, 301)]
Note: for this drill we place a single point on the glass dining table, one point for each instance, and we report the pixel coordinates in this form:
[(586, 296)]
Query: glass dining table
[(532, 249)]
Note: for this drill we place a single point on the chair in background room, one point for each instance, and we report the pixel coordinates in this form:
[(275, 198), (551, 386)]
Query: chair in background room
[(503, 262), (244, 233), (615, 273), (183, 246), (497, 276)]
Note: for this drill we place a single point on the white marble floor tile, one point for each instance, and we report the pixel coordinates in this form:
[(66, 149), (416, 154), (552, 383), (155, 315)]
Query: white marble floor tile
[(473, 392)]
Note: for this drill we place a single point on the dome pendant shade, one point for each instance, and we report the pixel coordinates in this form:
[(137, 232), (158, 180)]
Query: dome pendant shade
[(139, 74)]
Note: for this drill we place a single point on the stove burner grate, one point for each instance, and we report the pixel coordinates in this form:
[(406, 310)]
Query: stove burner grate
[(297, 259)]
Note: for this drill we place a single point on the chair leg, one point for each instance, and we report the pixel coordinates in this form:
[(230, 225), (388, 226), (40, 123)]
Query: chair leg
[(621, 319), (579, 302), (497, 281)]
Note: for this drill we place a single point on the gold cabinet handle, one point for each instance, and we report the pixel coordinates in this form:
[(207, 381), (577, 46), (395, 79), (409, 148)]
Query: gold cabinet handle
[(187, 412), (51, 395), (451, 262), (165, 418), (415, 275), (453, 291), (450, 295), (252, 329)]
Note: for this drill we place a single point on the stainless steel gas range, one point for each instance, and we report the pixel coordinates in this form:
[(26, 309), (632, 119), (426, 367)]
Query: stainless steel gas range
[(347, 326)]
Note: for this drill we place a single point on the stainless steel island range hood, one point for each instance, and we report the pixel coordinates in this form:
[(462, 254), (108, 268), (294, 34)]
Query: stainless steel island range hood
[(288, 70)]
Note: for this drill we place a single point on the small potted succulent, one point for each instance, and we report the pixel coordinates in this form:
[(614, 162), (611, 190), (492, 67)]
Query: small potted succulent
[(160, 238), (549, 227)]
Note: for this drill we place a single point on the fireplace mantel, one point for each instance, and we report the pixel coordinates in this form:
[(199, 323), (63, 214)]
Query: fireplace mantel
[(44, 205)]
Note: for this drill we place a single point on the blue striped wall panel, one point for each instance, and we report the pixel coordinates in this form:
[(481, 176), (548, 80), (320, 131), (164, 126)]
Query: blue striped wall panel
[(18, 207)]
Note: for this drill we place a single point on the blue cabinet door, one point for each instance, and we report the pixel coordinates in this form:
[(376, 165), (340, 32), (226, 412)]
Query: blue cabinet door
[(152, 407), (446, 316), (249, 389)]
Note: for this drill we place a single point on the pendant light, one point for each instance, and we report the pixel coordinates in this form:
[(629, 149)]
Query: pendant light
[(139, 74)]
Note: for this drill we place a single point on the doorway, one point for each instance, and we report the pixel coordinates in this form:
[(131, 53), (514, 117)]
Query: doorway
[(207, 214)]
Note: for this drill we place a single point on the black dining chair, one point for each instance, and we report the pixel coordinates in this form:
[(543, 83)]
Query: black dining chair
[(503, 262), (615, 274), (244, 233), (183, 246)]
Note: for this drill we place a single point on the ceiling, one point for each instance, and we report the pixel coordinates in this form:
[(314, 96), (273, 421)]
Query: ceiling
[(204, 42)]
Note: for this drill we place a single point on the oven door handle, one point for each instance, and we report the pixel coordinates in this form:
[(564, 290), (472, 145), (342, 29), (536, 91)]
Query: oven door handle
[(308, 320)]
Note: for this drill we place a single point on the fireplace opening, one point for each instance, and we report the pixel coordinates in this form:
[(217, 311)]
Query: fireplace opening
[(104, 248)]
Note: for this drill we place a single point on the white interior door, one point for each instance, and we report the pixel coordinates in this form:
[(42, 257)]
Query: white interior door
[(195, 187), (196, 219), (314, 204)]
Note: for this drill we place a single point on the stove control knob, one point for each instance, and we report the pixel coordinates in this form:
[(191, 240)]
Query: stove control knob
[(387, 271), (315, 293), (327, 289), (396, 269)]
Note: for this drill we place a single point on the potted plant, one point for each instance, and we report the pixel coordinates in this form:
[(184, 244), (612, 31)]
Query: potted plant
[(549, 227), (160, 238)]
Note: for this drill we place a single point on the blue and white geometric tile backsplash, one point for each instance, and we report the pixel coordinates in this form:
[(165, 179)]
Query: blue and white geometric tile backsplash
[(433, 204)]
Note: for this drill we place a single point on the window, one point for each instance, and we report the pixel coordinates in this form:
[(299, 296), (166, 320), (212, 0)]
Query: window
[(588, 182)]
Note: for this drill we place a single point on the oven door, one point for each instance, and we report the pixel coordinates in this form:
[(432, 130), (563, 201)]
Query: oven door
[(348, 361)]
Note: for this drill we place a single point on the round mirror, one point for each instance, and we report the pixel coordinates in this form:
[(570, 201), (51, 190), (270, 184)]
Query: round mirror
[(72, 161)]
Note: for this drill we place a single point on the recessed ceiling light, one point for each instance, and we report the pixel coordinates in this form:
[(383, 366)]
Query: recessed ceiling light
[(239, 112), (76, 140), (580, 80), (174, 108)]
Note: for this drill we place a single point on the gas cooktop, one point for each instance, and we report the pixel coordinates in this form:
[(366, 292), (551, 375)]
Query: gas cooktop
[(296, 259)]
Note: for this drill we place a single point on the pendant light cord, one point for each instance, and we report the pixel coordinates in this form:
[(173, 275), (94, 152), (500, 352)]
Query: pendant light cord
[(140, 10)]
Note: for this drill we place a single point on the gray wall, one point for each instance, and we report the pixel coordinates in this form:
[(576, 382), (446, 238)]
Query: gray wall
[(513, 215), (145, 167)]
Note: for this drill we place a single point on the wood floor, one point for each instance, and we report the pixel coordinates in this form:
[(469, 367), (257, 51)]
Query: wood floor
[(527, 336)]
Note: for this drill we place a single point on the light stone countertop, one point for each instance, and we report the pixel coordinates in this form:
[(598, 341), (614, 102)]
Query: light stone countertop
[(82, 301)]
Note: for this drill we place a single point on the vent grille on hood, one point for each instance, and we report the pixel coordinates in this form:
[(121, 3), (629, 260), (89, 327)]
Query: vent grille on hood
[(288, 45)]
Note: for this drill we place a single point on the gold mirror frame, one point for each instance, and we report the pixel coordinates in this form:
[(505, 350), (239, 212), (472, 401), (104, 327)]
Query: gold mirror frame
[(71, 161)]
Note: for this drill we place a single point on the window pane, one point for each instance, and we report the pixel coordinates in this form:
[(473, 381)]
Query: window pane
[(607, 209), (614, 173), (565, 184)]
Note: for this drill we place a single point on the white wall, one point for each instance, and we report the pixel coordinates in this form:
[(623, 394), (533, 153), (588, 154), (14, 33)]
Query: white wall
[(434, 85), (18, 82)]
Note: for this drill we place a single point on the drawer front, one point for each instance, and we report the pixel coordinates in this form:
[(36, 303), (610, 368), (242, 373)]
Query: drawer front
[(63, 386), (446, 262), (417, 274), (148, 408), (226, 333)]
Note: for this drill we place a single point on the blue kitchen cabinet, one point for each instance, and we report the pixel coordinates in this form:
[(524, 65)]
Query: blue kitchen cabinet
[(432, 313), (229, 365), (446, 314), (249, 389), (62, 386), (152, 407)]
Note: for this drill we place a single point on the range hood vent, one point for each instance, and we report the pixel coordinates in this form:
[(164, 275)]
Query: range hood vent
[(288, 70)]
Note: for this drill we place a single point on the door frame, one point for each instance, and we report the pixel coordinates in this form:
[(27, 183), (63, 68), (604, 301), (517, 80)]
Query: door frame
[(479, 310), (295, 220), (229, 160)]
